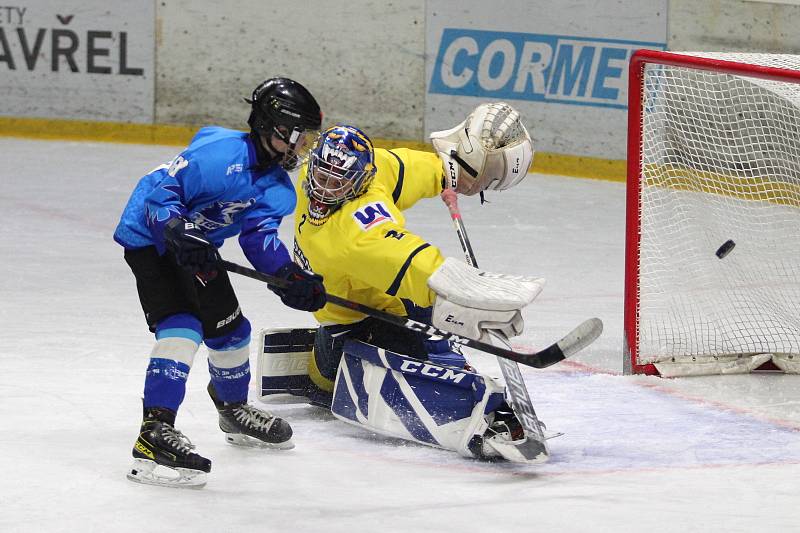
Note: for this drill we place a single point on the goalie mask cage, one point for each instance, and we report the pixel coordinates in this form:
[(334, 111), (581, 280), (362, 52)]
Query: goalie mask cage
[(713, 156)]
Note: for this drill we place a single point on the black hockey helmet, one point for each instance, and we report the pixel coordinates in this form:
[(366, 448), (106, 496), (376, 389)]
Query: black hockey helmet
[(285, 108)]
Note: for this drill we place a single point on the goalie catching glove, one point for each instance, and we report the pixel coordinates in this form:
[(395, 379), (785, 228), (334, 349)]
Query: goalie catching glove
[(471, 302), (491, 149)]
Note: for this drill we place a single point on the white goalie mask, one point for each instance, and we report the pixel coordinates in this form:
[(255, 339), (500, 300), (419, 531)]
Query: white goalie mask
[(491, 149), (340, 167)]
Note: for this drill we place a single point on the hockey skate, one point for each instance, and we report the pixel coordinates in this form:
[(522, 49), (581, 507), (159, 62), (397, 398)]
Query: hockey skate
[(246, 425), (163, 456), (504, 439)]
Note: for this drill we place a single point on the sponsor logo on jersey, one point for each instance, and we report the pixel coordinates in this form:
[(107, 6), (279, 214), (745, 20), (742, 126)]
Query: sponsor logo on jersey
[(237, 167), (432, 371), (534, 67), (371, 215), (220, 214)]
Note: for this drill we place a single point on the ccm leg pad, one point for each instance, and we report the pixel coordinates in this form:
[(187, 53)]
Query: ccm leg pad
[(411, 399), (282, 366)]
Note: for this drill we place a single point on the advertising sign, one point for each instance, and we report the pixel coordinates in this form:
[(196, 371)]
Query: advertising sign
[(562, 65), (78, 59)]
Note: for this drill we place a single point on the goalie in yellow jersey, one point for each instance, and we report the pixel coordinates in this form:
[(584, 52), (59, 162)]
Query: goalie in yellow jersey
[(350, 228)]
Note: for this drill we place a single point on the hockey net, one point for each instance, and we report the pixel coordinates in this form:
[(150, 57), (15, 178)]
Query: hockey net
[(713, 156)]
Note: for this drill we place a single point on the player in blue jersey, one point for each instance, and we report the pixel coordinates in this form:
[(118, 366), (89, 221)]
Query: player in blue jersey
[(224, 183)]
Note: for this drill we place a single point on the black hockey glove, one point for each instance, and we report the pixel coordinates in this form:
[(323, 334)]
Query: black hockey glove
[(193, 251), (305, 291)]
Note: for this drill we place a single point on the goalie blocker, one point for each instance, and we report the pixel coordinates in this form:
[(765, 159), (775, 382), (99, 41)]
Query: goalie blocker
[(439, 404)]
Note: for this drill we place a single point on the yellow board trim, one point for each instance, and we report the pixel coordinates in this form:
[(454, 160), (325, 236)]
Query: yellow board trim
[(180, 135), (84, 130), (580, 166), (775, 189)]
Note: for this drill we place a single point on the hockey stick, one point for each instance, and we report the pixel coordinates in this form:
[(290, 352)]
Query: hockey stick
[(515, 384), (577, 339)]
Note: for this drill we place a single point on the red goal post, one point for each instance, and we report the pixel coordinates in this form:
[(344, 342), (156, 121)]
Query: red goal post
[(713, 156)]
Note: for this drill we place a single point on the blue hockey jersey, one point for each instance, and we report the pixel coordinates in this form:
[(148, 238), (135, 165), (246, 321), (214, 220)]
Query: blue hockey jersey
[(215, 184)]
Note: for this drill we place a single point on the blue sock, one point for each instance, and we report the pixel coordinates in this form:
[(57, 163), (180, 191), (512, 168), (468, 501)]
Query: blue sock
[(231, 383), (165, 383)]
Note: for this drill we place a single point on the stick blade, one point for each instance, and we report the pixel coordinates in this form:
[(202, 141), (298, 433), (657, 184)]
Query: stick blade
[(581, 337)]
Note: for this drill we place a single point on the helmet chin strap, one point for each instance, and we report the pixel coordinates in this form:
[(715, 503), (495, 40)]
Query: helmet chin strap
[(265, 154), (266, 142)]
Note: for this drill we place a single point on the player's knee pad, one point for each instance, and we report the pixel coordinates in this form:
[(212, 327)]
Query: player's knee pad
[(229, 363), (233, 349), (397, 395), (177, 338)]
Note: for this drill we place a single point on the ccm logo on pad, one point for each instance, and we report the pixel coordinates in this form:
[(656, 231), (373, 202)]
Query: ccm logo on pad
[(372, 215), (445, 374)]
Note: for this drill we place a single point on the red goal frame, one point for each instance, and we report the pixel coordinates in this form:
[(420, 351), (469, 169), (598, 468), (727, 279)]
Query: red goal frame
[(634, 169)]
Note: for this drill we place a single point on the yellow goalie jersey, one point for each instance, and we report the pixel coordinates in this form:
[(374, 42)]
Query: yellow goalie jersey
[(362, 249)]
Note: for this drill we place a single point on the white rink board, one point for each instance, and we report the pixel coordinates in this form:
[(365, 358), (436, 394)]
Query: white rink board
[(563, 67), (78, 59)]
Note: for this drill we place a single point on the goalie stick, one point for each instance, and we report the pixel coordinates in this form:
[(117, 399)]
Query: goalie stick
[(576, 340), (518, 395)]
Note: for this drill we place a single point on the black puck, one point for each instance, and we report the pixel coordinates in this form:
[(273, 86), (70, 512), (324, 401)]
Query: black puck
[(725, 249)]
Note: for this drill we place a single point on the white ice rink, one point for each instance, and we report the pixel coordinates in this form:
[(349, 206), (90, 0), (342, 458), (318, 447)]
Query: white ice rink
[(638, 454)]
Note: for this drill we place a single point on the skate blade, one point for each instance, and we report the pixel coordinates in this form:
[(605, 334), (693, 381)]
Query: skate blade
[(151, 473), (246, 441)]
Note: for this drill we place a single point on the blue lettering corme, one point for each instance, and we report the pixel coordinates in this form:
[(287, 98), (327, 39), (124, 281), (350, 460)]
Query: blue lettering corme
[(540, 68)]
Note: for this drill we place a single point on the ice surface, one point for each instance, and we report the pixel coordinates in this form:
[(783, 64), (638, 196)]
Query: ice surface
[(639, 453)]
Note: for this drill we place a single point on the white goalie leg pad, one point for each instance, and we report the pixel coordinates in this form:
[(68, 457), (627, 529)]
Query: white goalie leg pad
[(282, 365), (471, 301), (399, 396)]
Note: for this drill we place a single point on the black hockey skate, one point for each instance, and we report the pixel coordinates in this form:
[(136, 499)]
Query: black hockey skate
[(162, 455), (505, 439), (246, 425)]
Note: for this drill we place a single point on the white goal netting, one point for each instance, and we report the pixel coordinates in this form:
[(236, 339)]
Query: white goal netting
[(720, 161)]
